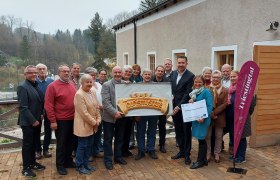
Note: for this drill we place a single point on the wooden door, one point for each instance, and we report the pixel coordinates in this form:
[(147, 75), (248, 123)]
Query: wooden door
[(266, 119)]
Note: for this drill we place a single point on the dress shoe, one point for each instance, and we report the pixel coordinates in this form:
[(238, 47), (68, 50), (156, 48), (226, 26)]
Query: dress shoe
[(197, 164), (38, 166), (162, 149), (217, 158), (120, 161), (139, 155), (61, 170), (127, 154), (38, 155), (187, 161), (152, 154), (47, 154), (28, 173), (178, 156), (109, 166)]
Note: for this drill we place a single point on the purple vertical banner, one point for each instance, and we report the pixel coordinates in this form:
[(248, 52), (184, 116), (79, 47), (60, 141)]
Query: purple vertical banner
[(245, 88)]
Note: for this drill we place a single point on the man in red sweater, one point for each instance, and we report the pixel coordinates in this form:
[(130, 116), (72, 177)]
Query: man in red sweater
[(59, 105)]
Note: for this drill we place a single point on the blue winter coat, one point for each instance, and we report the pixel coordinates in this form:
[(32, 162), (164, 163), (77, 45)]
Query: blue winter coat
[(199, 130)]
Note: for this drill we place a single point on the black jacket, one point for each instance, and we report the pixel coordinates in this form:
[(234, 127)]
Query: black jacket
[(31, 103), (182, 89)]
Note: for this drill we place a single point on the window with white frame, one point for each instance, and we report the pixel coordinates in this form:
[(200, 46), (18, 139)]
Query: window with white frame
[(224, 55), (125, 59)]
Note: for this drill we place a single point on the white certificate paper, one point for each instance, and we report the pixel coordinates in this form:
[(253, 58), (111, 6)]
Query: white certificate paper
[(194, 111)]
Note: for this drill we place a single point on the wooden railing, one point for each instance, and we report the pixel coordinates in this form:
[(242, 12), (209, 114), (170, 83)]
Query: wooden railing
[(17, 141), (6, 116)]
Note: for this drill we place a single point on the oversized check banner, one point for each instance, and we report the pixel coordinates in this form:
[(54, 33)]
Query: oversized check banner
[(194, 111), (144, 99)]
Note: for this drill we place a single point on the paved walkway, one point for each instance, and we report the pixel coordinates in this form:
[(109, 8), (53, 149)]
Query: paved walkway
[(262, 163)]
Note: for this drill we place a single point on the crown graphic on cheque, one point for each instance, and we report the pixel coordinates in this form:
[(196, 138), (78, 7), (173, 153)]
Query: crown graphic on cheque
[(142, 100)]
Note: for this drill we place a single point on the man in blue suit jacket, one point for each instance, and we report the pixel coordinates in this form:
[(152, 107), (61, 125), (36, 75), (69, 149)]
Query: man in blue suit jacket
[(182, 82), (31, 105)]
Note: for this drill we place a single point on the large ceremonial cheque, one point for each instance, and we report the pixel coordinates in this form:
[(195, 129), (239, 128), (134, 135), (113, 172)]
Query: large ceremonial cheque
[(194, 111), (144, 99)]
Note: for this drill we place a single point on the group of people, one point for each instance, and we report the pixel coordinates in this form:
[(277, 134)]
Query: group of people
[(81, 108)]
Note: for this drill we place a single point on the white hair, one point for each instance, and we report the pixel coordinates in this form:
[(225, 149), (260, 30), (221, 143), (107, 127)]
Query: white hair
[(206, 69)]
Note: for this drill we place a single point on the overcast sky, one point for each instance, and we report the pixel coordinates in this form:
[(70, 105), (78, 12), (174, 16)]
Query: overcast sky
[(48, 16)]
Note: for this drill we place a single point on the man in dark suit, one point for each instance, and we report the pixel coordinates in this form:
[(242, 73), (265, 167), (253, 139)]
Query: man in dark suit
[(31, 105), (182, 81)]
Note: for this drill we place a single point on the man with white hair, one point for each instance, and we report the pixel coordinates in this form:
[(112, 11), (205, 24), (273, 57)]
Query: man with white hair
[(43, 82), (113, 127), (126, 75), (226, 69)]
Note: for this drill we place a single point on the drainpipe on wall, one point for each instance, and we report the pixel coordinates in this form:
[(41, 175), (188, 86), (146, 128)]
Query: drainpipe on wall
[(135, 42)]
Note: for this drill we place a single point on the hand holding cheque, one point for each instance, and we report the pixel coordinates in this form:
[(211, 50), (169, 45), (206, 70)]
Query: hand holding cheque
[(194, 111)]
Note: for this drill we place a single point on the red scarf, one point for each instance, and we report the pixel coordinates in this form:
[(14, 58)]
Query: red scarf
[(231, 90), (207, 83)]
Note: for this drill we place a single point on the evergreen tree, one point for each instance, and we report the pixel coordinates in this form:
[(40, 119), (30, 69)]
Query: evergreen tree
[(96, 28), (88, 42), (24, 48)]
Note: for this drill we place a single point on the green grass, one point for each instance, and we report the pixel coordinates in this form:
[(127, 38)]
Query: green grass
[(5, 140)]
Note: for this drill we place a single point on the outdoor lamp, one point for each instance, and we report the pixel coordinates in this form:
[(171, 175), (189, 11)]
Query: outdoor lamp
[(273, 26)]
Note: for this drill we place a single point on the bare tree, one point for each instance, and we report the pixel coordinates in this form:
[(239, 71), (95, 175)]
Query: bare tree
[(148, 4), (3, 20), (11, 20), (120, 17), (20, 25), (29, 26)]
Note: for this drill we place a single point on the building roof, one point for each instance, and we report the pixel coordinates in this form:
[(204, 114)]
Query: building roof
[(161, 6)]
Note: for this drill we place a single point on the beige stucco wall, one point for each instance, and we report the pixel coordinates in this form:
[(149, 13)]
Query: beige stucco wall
[(198, 28)]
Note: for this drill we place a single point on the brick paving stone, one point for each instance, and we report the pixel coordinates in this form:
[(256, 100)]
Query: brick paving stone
[(262, 163)]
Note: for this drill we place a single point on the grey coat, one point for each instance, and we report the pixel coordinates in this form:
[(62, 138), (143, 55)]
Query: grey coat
[(109, 101)]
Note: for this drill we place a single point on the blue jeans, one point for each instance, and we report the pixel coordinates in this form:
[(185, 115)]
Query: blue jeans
[(96, 143), (241, 151), (83, 151), (113, 130), (151, 132)]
